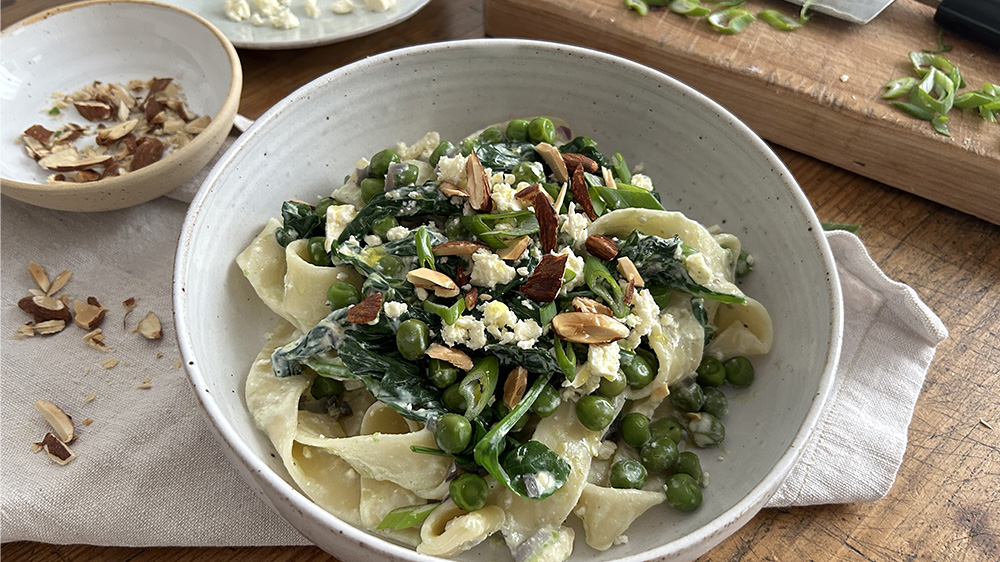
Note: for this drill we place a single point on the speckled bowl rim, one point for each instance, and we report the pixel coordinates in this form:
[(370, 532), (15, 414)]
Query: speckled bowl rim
[(687, 547), (199, 143)]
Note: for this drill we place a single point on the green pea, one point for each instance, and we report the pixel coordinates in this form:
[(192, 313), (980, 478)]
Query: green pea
[(595, 412), (379, 166), (370, 187), (405, 175), (390, 265), (342, 294), (382, 226), (711, 372), (683, 493), (627, 473), (469, 491), (715, 402), (635, 429), (468, 146), (541, 129), (443, 148), (547, 402), (530, 172), (317, 251), (739, 371), (442, 374), (687, 397), (491, 135), (637, 370), (609, 388), (454, 230), (689, 463), (707, 430), (517, 129), (412, 338), (665, 427), (659, 455), (323, 205), (453, 399), (452, 433), (323, 387)]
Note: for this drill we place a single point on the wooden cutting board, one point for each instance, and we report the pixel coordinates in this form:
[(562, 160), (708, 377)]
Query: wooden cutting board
[(816, 90)]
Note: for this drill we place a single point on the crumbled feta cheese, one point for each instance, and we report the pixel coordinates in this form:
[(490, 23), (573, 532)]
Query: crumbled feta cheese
[(465, 331), (451, 169), (397, 233), (523, 271), (422, 293), (504, 200), (501, 323), (394, 309), (488, 269), (421, 149), (574, 263), (312, 9), (645, 313), (604, 360), (337, 219), (380, 5), (372, 240), (341, 7), (575, 226), (620, 540), (237, 10), (698, 269), (643, 181), (607, 450)]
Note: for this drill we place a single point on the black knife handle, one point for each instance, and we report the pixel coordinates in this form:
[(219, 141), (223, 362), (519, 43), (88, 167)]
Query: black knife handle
[(978, 20)]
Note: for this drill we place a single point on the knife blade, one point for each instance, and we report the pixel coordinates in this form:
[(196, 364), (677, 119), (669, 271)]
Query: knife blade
[(978, 20)]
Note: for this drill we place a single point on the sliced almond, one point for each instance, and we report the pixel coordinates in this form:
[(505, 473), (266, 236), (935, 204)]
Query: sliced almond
[(629, 271), (147, 151), (57, 451), (479, 184), (49, 327), (113, 133), (609, 180), (365, 311), (548, 222), (93, 110), (528, 193), (149, 327), (129, 305), (514, 248), (554, 159), (452, 190), (35, 149), (57, 418), (560, 198), (461, 277), (515, 386), (24, 331), (44, 307), (585, 304), (471, 297), (198, 125), (39, 133), (431, 280), (601, 247), (109, 363), (453, 356), (545, 281), (588, 327), (59, 282), (581, 194), (69, 160), (88, 315), (38, 274), (574, 161), (458, 248)]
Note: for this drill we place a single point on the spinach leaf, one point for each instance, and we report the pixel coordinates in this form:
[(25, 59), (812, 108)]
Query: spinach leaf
[(299, 220), (538, 361), (406, 201), (655, 259), (701, 315), (503, 156), (375, 281), (287, 360)]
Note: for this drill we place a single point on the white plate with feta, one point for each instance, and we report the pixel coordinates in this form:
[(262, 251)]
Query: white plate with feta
[(295, 24)]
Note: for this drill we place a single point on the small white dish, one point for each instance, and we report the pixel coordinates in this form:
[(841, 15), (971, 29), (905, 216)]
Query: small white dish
[(704, 161), (112, 41)]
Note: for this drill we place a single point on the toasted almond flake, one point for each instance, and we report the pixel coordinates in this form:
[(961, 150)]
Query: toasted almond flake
[(159, 356), (478, 184), (574, 161), (560, 198), (61, 423), (116, 132), (109, 363), (37, 292), (548, 223), (70, 160), (588, 327), (529, 192), (458, 248), (514, 249), (25, 331), (601, 247), (198, 125), (451, 190), (44, 307), (431, 280), (88, 421), (629, 271), (454, 356), (554, 159), (585, 304), (36, 447), (365, 311), (92, 334), (515, 386), (692, 415), (609, 179), (146, 384), (629, 291), (129, 305), (49, 327), (149, 327), (57, 451), (90, 397), (545, 281), (59, 282), (38, 274), (471, 297), (581, 193), (88, 315)]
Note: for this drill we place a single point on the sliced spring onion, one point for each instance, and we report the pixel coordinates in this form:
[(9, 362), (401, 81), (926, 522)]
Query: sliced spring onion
[(425, 255), (547, 313), (899, 87), (408, 516), (638, 5), (689, 8), (779, 20), (449, 314), (620, 168), (922, 62), (731, 20), (626, 196), (852, 228), (936, 90), (478, 386), (918, 111), (804, 14), (603, 284), (565, 357), (940, 124), (328, 369), (483, 226)]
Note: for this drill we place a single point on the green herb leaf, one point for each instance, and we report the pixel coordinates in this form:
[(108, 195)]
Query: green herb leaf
[(406, 517), (405, 201)]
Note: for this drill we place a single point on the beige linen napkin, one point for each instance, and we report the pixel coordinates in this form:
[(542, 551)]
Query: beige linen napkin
[(150, 473)]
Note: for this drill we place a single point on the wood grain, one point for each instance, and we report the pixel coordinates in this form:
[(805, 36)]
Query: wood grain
[(945, 504), (816, 90)]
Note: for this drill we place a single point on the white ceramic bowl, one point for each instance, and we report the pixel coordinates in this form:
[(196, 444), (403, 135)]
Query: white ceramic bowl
[(65, 48), (705, 162)]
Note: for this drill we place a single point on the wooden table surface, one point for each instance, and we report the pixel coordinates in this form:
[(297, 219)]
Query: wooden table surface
[(945, 504)]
